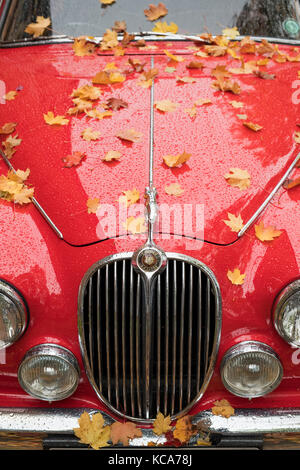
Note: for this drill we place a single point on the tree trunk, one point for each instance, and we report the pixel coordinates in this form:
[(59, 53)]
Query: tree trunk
[(266, 18)]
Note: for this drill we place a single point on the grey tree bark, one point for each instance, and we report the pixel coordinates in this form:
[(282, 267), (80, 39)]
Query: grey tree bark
[(266, 17)]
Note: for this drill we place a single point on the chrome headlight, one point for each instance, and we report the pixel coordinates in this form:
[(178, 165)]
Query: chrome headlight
[(287, 314), (251, 369), (13, 315), (49, 372)]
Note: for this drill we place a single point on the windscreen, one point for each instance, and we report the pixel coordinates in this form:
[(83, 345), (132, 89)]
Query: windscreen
[(267, 18)]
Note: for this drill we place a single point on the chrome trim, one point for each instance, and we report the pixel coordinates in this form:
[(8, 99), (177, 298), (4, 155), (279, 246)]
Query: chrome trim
[(246, 347), (278, 309), (13, 295), (147, 35), (268, 199), (34, 201), (50, 349), (216, 342), (64, 420)]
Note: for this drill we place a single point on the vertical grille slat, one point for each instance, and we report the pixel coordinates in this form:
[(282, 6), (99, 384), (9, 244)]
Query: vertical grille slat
[(179, 337), (174, 359)]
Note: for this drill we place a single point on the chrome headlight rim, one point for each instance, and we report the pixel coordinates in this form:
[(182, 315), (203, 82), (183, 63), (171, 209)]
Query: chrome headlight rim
[(246, 347), (10, 292), (55, 350), (278, 310)]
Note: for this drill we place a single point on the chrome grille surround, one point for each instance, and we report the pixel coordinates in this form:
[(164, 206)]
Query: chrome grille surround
[(112, 342)]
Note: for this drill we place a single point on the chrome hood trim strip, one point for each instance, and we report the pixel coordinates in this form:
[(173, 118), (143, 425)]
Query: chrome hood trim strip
[(64, 420)]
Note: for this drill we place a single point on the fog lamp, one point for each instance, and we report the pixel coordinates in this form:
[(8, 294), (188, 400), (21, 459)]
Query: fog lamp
[(251, 369), (13, 315), (287, 314), (49, 372)]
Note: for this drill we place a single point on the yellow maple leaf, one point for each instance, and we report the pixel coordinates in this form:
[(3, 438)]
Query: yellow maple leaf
[(175, 58), (82, 47), (252, 126), (135, 225), (161, 424), (12, 187), (109, 40), (231, 33), (87, 92), (174, 189), (55, 120), (122, 432), (238, 178), (236, 277), (9, 96), (164, 27), (107, 2), (165, 106), (92, 430), (129, 197), (93, 205), (111, 155), (266, 234), (96, 114), (234, 222), (37, 29), (186, 79), (236, 104), (89, 134), (222, 408), (176, 160), (9, 145)]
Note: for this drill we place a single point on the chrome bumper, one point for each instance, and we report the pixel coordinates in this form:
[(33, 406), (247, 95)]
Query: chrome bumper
[(63, 421)]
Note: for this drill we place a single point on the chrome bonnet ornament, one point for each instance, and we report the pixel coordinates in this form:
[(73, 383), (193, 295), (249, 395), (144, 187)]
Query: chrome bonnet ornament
[(150, 260)]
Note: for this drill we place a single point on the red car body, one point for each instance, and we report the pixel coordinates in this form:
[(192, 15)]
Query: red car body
[(48, 270)]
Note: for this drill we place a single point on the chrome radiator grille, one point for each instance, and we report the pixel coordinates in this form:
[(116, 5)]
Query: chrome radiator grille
[(185, 330)]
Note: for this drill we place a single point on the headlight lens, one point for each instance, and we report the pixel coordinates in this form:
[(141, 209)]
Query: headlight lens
[(49, 372), (251, 369), (287, 314), (13, 315)]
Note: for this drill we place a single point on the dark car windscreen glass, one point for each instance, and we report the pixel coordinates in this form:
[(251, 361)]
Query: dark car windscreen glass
[(267, 18)]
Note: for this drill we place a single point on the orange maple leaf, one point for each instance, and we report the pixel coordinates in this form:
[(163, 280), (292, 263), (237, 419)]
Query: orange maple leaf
[(73, 159), (155, 12), (130, 134), (87, 92), (8, 128), (222, 408), (183, 429), (93, 205), (9, 145), (195, 65), (109, 40), (176, 160), (122, 432), (165, 106), (252, 126), (174, 189), (265, 234), (236, 277)]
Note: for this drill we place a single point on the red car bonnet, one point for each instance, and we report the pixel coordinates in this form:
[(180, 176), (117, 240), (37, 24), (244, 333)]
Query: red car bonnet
[(215, 137)]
